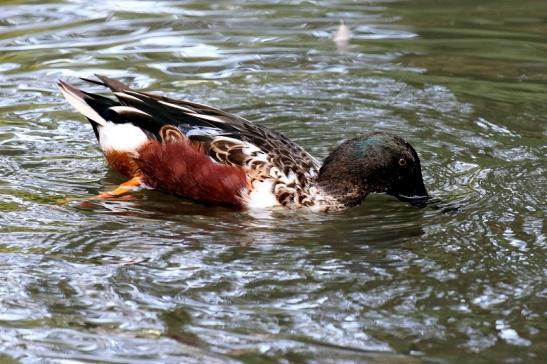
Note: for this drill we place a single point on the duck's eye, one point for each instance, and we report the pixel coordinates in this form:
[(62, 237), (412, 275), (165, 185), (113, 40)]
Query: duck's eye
[(402, 162)]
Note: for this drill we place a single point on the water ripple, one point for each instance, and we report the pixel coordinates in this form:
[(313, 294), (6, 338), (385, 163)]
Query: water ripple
[(154, 278)]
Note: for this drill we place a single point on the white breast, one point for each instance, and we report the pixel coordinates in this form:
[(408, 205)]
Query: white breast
[(262, 195)]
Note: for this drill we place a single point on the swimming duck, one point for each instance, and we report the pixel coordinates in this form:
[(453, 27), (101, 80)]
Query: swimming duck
[(207, 155)]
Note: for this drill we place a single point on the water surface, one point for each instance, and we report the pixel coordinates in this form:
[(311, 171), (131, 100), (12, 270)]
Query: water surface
[(160, 279)]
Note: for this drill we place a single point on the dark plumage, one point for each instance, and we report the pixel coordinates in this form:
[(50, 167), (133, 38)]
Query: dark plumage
[(376, 162)]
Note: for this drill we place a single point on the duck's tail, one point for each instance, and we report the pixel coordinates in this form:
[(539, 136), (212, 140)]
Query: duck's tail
[(94, 107), (118, 127)]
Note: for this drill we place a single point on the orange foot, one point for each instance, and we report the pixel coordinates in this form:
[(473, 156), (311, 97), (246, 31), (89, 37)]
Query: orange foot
[(133, 184)]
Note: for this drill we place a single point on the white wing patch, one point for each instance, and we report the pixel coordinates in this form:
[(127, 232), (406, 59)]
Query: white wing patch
[(206, 117), (184, 109), (125, 95), (128, 109)]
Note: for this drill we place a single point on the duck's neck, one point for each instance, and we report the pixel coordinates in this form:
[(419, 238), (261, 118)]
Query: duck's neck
[(345, 191), (348, 178)]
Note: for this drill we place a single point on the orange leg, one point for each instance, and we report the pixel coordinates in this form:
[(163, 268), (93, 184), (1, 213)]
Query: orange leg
[(132, 185)]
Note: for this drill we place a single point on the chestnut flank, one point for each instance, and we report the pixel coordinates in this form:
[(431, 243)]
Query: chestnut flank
[(180, 169)]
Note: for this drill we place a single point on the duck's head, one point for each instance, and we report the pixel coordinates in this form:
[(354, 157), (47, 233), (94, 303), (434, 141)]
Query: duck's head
[(375, 162)]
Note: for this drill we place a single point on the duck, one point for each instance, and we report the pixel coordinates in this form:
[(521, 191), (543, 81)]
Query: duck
[(209, 156)]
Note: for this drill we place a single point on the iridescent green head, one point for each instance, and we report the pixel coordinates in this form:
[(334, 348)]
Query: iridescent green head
[(375, 162)]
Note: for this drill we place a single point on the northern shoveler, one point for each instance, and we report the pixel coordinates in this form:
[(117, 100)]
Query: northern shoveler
[(208, 155)]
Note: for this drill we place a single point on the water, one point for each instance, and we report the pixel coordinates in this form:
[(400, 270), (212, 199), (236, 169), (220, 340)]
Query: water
[(159, 279)]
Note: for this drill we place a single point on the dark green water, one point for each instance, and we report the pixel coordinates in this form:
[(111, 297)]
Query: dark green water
[(159, 279)]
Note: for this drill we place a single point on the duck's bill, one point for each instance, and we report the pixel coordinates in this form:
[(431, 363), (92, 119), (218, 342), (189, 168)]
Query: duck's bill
[(415, 200)]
